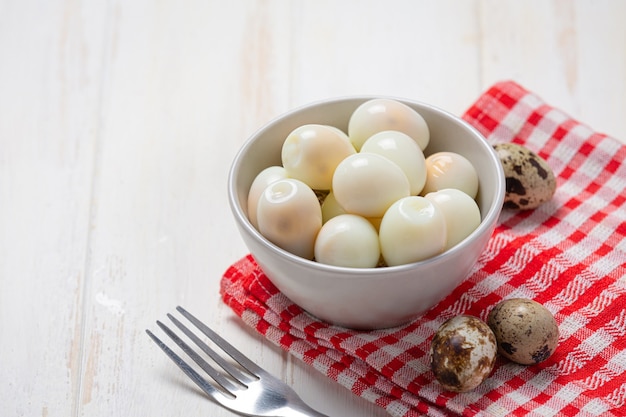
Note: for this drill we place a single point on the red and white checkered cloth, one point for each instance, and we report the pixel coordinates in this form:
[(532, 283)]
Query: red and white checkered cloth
[(569, 254)]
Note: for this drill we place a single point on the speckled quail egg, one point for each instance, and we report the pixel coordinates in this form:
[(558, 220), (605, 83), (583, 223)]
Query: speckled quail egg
[(462, 353), (526, 331), (529, 179)]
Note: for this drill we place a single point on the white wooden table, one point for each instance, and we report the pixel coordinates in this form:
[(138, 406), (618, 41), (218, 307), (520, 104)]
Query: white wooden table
[(118, 123)]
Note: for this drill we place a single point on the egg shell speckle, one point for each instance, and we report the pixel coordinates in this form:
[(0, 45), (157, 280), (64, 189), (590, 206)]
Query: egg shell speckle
[(529, 179), (526, 331), (463, 352)]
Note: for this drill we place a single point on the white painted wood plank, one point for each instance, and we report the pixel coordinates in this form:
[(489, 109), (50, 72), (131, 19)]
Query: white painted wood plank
[(118, 123), (422, 50), (186, 86), (571, 53), (49, 97)]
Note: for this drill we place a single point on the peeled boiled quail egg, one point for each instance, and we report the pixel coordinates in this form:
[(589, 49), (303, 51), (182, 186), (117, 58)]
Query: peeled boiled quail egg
[(331, 208), (463, 352), (381, 114), (411, 230), (375, 221), (289, 215), (261, 181), (461, 212), (310, 153), (367, 184), (348, 240), (450, 170), (526, 331), (404, 151), (529, 179)]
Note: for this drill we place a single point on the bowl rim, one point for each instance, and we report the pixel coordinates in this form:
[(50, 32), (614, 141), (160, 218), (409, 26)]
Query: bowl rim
[(487, 222)]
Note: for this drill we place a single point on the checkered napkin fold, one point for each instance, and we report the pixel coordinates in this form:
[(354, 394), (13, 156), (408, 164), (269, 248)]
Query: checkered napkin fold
[(569, 254)]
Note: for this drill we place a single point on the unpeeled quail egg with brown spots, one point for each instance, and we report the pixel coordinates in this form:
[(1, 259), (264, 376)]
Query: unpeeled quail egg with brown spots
[(289, 215), (348, 240), (526, 331), (381, 114), (461, 212), (450, 170), (261, 181), (404, 151), (310, 153), (529, 179), (411, 230), (462, 353), (367, 184)]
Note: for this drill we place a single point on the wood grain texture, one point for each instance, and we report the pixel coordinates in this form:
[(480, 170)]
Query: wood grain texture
[(118, 123), (571, 53)]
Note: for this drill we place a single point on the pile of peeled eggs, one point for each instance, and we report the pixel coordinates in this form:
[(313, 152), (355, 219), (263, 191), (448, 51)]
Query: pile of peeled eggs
[(368, 197)]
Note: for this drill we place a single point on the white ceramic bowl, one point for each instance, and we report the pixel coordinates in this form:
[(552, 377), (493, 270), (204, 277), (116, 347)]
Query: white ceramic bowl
[(373, 297)]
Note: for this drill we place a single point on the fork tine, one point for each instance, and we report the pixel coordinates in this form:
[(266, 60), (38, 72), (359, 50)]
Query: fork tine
[(220, 379), (223, 344), (233, 371), (262, 395), (208, 389)]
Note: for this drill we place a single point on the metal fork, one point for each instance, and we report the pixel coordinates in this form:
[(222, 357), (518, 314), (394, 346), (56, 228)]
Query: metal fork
[(246, 389)]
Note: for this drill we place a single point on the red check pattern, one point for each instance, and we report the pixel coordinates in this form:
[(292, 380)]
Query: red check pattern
[(569, 254)]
